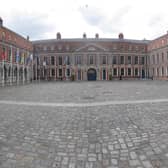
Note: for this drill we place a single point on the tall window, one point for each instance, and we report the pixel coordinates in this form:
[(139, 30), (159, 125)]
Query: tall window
[(104, 59), (143, 60), (44, 60), (52, 60), (79, 74), (129, 59), (68, 72), (153, 59), (114, 60), (157, 58), (66, 60), (60, 60), (157, 71), (78, 59), (115, 71), (162, 57), (136, 59), (53, 72), (9, 54), (136, 71), (122, 59), (60, 72), (91, 59), (162, 71), (129, 71), (122, 71)]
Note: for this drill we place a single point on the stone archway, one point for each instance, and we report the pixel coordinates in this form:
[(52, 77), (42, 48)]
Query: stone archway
[(91, 74)]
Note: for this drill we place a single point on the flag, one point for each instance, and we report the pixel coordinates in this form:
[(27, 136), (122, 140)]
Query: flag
[(3, 56), (11, 54), (38, 60), (22, 58), (31, 57), (17, 56), (65, 60)]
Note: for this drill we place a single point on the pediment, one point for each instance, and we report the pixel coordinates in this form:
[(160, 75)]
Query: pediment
[(91, 48)]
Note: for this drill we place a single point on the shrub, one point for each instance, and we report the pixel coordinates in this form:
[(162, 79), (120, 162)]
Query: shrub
[(72, 77), (110, 77)]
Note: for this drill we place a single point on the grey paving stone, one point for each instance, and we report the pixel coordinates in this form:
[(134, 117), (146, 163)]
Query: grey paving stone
[(110, 136)]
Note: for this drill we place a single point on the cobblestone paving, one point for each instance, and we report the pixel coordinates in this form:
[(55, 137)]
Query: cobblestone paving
[(112, 136), (86, 91)]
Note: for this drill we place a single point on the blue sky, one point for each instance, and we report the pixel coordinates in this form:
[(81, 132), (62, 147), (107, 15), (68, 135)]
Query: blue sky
[(137, 19)]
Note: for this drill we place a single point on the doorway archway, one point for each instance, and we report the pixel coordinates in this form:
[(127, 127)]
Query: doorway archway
[(91, 74)]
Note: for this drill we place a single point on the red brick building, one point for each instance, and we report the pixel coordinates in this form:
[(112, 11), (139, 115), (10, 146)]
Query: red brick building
[(15, 53), (158, 57), (80, 58), (91, 58)]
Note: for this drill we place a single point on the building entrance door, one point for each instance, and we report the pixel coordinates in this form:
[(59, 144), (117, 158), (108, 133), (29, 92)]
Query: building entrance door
[(104, 74), (143, 73), (91, 74)]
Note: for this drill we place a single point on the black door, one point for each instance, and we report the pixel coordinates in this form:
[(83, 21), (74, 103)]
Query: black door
[(143, 73), (91, 75)]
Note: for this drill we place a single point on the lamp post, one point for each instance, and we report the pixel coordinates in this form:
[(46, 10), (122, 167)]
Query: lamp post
[(3, 75)]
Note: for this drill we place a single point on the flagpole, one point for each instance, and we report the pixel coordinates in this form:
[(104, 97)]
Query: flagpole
[(23, 67), (3, 76), (39, 68), (11, 75), (36, 68), (31, 68), (17, 66)]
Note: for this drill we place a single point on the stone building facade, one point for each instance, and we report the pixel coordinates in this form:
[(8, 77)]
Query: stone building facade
[(15, 57), (90, 58)]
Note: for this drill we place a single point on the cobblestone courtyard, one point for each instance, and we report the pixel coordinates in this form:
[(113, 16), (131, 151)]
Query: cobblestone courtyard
[(122, 135)]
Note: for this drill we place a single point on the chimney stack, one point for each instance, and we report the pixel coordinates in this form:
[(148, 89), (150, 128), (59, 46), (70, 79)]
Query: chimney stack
[(27, 38), (84, 35), (1, 22), (58, 36), (96, 35)]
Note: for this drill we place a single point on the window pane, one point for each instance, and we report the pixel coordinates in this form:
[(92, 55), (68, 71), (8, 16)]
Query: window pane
[(115, 71), (52, 60), (91, 59), (68, 72), (122, 71), (104, 59), (60, 72), (129, 59), (114, 60), (60, 60), (129, 71), (136, 59), (122, 59)]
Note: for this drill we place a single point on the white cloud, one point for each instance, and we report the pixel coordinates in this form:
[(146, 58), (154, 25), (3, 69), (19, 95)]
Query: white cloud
[(43, 19)]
